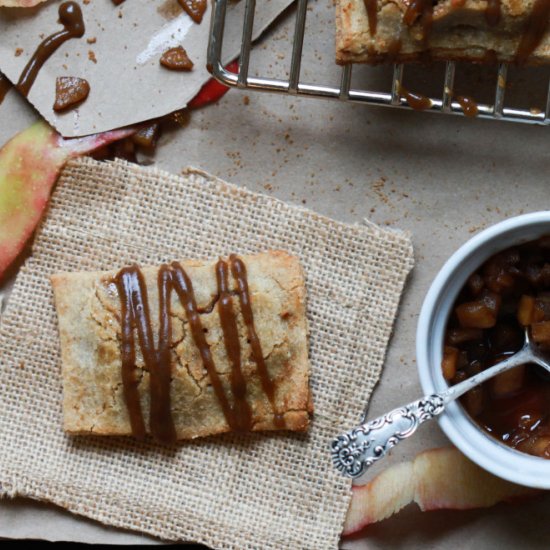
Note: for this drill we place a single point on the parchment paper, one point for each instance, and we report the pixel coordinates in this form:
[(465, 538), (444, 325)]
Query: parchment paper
[(128, 85)]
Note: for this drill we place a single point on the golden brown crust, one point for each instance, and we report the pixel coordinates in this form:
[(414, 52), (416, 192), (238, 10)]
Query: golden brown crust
[(89, 325), (459, 33)]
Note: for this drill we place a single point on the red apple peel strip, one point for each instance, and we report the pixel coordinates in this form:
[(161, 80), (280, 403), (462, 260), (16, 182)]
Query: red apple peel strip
[(29, 165), (436, 479), (20, 3)]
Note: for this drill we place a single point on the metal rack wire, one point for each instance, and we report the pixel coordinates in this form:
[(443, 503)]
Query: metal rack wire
[(343, 90)]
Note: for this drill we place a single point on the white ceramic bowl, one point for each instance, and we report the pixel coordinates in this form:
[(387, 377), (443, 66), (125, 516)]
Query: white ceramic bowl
[(481, 448)]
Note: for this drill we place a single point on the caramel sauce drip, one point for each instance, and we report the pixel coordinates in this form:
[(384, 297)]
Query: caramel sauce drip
[(5, 87), (372, 6), (136, 316), (242, 415), (535, 29), (420, 10), (469, 106), (131, 290), (418, 102), (162, 424), (238, 270), (493, 12), (70, 16)]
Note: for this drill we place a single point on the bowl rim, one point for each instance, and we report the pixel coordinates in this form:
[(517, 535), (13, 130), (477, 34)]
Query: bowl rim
[(463, 432)]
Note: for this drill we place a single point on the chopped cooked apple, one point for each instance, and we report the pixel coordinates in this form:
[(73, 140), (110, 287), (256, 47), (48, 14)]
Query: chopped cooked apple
[(526, 310), (436, 479), (448, 364), (540, 332), (29, 165)]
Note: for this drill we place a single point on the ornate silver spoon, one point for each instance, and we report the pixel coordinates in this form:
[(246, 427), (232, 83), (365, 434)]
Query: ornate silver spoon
[(355, 451)]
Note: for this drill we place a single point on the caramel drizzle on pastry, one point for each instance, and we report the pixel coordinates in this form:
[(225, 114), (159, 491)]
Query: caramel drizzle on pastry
[(422, 11), (133, 309), (535, 29), (238, 270), (242, 413), (184, 289), (493, 12), (372, 7), (136, 316), (162, 424), (70, 16)]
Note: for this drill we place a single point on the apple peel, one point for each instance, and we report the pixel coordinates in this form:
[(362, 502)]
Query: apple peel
[(437, 479), (213, 90), (29, 166), (20, 3)]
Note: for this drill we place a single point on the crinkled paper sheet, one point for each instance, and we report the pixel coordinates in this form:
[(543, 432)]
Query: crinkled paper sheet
[(119, 56)]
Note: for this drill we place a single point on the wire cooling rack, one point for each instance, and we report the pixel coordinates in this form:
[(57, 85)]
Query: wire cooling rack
[(343, 90)]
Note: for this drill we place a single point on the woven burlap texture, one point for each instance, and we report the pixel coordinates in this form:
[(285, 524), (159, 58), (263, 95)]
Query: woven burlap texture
[(269, 491)]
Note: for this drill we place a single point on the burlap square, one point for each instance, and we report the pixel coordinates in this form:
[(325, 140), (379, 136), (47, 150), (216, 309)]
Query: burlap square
[(255, 491)]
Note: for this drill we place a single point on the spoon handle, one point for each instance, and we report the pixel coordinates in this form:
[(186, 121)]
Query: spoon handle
[(355, 451)]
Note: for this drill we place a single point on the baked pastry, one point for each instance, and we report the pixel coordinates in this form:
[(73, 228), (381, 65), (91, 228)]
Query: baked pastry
[(486, 31), (185, 350)]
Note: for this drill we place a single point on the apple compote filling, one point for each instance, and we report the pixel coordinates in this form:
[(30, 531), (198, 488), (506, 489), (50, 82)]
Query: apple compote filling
[(508, 294)]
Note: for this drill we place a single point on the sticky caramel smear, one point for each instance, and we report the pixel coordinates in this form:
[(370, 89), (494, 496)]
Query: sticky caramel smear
[(70, 16), (176, 59), (194, 8), (69, 92)]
